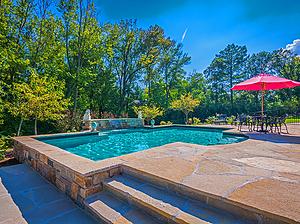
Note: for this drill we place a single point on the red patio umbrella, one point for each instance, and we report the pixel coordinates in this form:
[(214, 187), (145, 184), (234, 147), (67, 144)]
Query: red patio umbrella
[(264, 82)]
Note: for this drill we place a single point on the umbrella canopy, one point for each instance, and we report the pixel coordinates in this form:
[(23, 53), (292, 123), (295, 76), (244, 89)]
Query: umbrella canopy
[(264, 82)]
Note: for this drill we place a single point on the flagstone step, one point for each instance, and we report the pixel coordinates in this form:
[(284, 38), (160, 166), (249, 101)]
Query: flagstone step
[(164, 205), (109, 209), (212, 201)]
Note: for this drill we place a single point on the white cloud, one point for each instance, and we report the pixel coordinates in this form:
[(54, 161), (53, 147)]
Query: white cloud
[(294, 47)]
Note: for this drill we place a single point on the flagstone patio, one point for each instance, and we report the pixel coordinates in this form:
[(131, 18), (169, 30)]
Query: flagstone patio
[(257, 179)]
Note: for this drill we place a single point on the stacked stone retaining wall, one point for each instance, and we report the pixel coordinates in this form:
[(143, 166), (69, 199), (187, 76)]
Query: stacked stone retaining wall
[(106, 124)]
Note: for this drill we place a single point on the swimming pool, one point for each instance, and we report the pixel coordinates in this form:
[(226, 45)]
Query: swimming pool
[(108, 144)]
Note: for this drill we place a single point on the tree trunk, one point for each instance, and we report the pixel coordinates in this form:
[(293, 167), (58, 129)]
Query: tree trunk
[(75, 99), (35, 126), (186, 117), (19, 128)]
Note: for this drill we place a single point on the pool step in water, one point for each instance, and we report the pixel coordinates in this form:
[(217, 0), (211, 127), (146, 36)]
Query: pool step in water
[(109, 209), (159, 203)]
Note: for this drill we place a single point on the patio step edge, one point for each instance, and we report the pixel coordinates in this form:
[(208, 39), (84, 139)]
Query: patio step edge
[(232, 207), (109, 209), (159, 203)]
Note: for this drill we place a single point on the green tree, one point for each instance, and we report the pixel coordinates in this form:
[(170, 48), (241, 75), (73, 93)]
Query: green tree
[(41, 98), (79, 27), (149, 112), (173, 60), (136, 49), (2, 104), (232, 59), (186, 104), (286, 64), (15, 18), (258, 63), (215, 75)]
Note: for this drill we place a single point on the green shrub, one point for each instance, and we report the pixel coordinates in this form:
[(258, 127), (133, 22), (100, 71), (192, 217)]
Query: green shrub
[(231, 119), (162, 123), (5, 143), (210, 120), (196, 121), (169, 123)]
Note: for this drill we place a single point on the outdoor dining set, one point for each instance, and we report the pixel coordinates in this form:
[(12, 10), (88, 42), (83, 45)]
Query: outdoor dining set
[(265, 123), (262, 123)]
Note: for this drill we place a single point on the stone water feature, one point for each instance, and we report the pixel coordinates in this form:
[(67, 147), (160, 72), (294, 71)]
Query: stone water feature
[(110, 124)]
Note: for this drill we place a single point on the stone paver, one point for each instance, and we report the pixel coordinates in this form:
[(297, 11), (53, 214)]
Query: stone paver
[(170, 171), (26, 197), (279, 197)]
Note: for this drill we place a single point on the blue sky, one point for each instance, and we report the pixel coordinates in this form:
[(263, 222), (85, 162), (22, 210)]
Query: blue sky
[(261, 25)]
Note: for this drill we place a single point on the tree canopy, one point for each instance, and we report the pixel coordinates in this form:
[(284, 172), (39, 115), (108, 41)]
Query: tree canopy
[(107, 67)]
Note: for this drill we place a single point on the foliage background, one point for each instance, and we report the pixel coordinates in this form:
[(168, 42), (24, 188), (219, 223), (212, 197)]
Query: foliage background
[(112, 67)]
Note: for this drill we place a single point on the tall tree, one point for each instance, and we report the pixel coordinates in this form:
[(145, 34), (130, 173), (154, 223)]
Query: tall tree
[(79, 27), (15, 19), (258, 63), (136, 49), (286, 64), (215, 74), (233, 58), (173, 60)]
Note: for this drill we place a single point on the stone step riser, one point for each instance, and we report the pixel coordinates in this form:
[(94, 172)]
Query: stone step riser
[(109, 209), (145, 207), (96, 214), (222, 204)]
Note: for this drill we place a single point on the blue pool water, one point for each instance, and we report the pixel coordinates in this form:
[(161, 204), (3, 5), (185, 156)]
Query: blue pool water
[(103, 145)]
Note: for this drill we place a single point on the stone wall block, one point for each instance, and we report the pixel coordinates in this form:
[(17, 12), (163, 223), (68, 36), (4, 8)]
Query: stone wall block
[(68, 190), (33, 163), (52, 175), (32, 153), (98, 178), (37, 155), (93, 190), (84, 193), (79, 179), (44, 158), (46, 176), (88, 181), (26, 154), (57, 166), (60, 185), (49, 162), (84, 182), (66, 182), (40, 165), (46, 169), (67, 173), (74, 193), (115, 171)]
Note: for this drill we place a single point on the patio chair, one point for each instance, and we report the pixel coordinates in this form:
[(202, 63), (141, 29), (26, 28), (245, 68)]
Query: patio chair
[(255, 124), (237, 122), (244, 120), (221, 119), (281, 122), (272, 123)]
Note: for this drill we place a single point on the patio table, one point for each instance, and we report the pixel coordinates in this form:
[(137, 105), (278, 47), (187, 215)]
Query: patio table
[(259, 122)]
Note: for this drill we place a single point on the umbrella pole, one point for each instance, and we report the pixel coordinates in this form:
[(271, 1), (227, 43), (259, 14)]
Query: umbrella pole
[(262, 103), (262, 100)]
